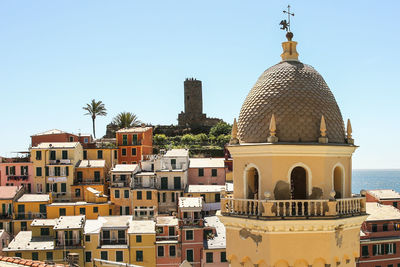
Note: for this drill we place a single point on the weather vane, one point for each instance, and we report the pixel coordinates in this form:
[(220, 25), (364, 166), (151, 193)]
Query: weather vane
[(286, 23)]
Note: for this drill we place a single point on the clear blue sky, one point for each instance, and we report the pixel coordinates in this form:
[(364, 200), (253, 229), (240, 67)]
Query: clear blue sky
[(134, 56)]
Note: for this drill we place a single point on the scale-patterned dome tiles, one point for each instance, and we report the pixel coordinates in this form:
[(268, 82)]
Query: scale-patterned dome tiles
[(298, 96)]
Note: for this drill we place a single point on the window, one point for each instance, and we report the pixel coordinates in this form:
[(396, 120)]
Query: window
[(77, 192), (38, 171), (171, 231), (172, 251), (71, 139), (87, 238), (44, 231), (18, 255), (160, 251), (148, 195), (160, 230), (138, 239), (374, 228), (84, 154), (138, 194), (63, 187), (115, 154), (164, 197), (173, 197), (35, 256), (97, 176), (38, 155), (364, 251), (377, 249), (177, 182), (139, 255), (116, 194), (214, 172), (209, 257), (52, 155), (189, 255), (164, 182), (133, 151), (88, 256), (395, 204), (67, 171), (82, 211), (86, 140), (385, 227), (189, 234), (119, 255), (124, 152), (121, 234), (99, 154), (134, 139), (185, 215), (24, 227), (201, 172), (95, 209), (127, 210), (64, 154), (57, 171), (49, 256), (79, 176), (223, 256), (217, 197), (124, 140), (62, 211), (104, 255), (126, 193)]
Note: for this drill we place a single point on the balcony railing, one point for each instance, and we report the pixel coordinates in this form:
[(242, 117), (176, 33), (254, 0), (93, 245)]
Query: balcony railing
[(5, 216), (59, 161), (30, 216), (66, 197), (71, 243), (293, 208), (89, 181), (166, 238), (17, 178), (114, 242), (192, 222)]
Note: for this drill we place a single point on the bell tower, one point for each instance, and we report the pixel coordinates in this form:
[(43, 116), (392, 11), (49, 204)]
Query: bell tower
[(292, 203)]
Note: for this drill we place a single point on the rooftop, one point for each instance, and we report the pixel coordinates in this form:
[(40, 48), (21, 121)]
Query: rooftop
[(34, 198), (94, 226), (379, 212), (384, 194), (91, 164), (78, 203), (53, 131), (44, 222), (24, 241), (219, 239), (205, 188), (8, 192), (190, 202), (125, 168), (70, 222), (142, 227), (17, 262), (206, 163), (134, 130), (167, 220), (177, 153), (56, 145)]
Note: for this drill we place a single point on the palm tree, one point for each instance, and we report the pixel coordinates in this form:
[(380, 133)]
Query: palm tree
[(94, 109), (125, 120)]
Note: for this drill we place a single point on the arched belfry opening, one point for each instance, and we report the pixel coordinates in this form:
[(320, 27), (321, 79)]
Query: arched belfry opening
[(298, 183), (338, 182), (252, 183)]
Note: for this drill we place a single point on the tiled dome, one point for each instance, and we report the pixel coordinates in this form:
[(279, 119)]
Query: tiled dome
[(298, 96)]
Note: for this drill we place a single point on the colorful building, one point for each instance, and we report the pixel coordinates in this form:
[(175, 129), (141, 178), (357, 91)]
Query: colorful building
[(108, 154), (214, 252), (384, 196), (134, 144), (168, 244), (207, 171), (211, 195), (380, 236), (54, 167), (17, 172), (59, 136), (8, 196), (91, 210)]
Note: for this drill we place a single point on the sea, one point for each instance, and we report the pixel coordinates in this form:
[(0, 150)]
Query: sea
[(375, 179)]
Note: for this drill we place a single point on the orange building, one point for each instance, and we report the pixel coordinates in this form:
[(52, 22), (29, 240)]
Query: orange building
[(56, 135), (134, 143)]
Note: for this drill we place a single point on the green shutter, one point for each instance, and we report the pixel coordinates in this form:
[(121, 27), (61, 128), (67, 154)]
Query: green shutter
[(63, 187), (67, 171)]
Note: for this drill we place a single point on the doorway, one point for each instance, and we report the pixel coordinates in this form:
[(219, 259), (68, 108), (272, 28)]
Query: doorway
[(298, 183)]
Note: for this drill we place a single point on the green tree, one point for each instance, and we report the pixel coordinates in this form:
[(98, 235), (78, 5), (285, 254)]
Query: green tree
[(160, 140), (188, 139), (125, 120), (221, 128), (223, 139), (201, 138), (94, 109)]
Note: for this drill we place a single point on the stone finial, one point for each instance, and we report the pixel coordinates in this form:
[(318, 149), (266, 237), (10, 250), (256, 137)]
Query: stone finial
[(272, 130), (289, 51), (349, 138), (234, 140), (323, 138)]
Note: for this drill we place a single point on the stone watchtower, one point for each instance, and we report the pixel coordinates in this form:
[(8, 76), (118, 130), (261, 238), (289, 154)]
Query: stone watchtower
[(193, 115)]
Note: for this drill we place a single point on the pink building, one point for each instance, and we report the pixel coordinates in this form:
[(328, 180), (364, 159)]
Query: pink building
[(214, 252), (206, 171), (168, 247), (16, 172), (384, 196)]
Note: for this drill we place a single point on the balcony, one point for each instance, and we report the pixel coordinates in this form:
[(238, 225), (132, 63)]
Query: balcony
[(17, 177), (89, 181), (59, 162), (5, 216), (66, 197), (114, 242), (166, 238), (270, 209), (120, 183), (189, 222), (30, 216), (70, 243)]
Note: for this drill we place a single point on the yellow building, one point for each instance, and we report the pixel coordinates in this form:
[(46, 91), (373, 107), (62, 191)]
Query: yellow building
[(54, 167), (120, 239), (27, 208), (109, 155), (8, 195), (90, 210), (292, 202), (49, 240)]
